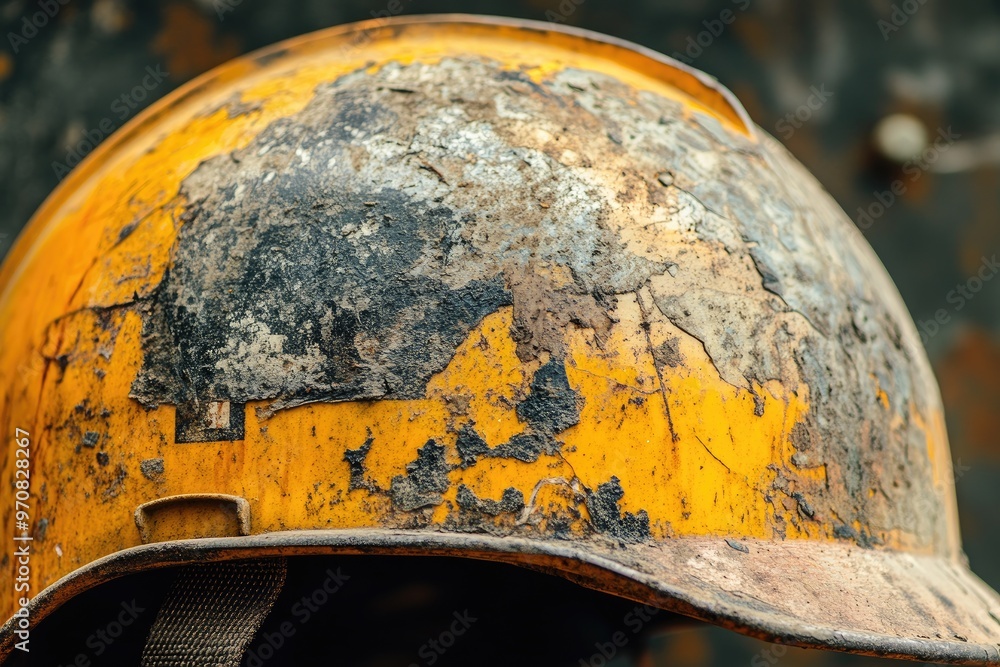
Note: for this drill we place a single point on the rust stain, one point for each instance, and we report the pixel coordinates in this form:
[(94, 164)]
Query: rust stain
[(984, 232), (6, 65), (970, 386)]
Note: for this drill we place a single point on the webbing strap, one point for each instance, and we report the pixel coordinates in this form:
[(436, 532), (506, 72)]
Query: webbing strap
[(212, 613)]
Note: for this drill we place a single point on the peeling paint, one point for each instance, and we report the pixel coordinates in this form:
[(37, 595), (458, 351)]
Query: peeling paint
[(152, 469), (512, 501), (425, 480), (608, 518)]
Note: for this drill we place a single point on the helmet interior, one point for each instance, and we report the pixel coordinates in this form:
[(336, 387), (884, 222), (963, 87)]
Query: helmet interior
[(380, 611)]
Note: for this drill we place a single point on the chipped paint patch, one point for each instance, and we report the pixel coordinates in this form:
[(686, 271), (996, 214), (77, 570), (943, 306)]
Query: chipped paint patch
[(152, 469), (608, 518)]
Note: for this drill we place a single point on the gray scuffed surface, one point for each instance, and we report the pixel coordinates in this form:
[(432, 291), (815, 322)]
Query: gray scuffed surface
[(552, 404), (152, 469), (608, 518), (512, 501), (348, 249), (425, 480), (355, 267), (356, 462)]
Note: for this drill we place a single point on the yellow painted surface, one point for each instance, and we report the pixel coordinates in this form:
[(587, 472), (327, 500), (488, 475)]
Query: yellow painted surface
[(689, 449), (190, 518), (291, 466)]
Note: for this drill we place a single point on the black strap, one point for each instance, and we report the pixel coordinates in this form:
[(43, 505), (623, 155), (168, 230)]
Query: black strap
[(212, 613)]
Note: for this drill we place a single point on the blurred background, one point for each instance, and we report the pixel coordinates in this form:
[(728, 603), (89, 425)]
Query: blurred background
[(894, 105)]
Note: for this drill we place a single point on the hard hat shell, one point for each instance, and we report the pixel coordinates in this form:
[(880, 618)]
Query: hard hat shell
[(489, 288)]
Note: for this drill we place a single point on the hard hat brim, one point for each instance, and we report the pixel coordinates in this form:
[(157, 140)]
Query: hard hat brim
[(834, 596)]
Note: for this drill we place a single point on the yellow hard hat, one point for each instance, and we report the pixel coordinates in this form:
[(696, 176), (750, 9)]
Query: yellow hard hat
[(472, 287)]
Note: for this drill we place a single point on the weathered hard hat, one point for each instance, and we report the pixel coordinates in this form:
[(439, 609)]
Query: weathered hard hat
[(484, 288)]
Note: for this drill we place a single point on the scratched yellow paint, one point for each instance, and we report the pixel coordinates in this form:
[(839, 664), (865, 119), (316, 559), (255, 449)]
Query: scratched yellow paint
[(716, 469), (292, 470), (490, 353), (67, 361)]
